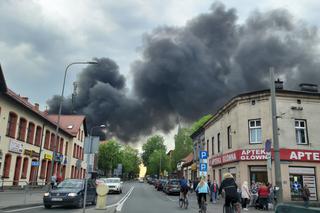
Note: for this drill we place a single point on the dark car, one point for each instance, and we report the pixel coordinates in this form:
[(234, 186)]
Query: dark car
[(172, 187), (70, 192), (161, 185)]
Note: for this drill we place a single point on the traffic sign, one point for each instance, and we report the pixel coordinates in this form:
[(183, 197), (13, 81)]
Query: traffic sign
[(35, 163), (203, 174), (203, 155), (203, 167), (267, 146)]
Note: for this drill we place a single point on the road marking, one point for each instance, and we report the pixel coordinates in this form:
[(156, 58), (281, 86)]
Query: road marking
[(18, 210), (122, 201), (169, 198)]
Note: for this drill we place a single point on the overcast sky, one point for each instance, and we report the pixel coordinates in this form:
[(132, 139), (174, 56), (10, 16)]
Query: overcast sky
[(39, 38)]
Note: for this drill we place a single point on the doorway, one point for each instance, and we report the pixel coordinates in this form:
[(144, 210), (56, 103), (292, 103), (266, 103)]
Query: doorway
[(17, 171)]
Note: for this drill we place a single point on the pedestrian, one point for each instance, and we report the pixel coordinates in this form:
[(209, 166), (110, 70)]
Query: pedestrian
[(305, 195), (263, 196), (214, 189), (53, 181), (254, 194), (245, 195), (59, 179)]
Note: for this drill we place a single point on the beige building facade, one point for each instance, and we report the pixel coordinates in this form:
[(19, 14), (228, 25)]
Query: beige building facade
[(27, 142), (236, 136)]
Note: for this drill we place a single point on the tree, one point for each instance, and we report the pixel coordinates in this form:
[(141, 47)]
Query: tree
[(154, 143), (196, 125), (130, 162), (158, 162), (183, 146), (109, 156)]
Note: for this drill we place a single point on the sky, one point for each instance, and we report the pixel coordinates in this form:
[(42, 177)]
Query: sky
[(39, 38)]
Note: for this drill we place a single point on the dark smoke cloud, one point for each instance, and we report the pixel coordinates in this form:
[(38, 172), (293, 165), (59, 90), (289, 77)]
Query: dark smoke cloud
[(192, 70)]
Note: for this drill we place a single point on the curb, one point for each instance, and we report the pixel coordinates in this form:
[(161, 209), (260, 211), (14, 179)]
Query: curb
[(20, 206)]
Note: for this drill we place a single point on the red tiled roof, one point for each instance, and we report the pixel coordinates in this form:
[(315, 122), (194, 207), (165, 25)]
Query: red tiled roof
[(70, 123), (188, 159)]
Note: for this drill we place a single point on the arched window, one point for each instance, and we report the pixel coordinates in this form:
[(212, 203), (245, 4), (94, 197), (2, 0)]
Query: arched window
[(64, 172), (6, 166), (47, 140), (57, 144), (25, 168), (12, 125), (61, 146), (74, 150), (84, 173), (66, 149), (72, 172), (48, 171), (43, 169), (38, 136), (52, 141), (22, 129), (30, 135)]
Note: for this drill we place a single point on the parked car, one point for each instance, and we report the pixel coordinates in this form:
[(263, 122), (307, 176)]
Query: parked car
[(114, 184), (172, 187), (70, 192), (141, 180), (156, 183), (161, 185)]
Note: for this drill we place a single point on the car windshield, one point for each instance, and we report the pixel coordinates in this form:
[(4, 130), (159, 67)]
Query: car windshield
[(71, 184), (112, 180), (174, 182)]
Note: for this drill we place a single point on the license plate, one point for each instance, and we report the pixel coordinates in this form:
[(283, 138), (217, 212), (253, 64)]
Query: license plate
[(56, 199)]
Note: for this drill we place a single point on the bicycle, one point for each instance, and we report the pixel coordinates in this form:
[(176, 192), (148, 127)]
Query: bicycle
[(203, 205), (183, 202), (233, 208)]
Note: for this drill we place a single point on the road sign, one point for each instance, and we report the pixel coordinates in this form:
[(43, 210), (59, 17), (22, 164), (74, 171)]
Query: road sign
[(203, 167), (35, 163), (203, 174), (203, 155), (267, 146)]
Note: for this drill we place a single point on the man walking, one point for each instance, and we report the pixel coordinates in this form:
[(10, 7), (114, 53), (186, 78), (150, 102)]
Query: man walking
[(214, 189), (305, 195)]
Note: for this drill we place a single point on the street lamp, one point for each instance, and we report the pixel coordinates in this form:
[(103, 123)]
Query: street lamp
[(60, 109)]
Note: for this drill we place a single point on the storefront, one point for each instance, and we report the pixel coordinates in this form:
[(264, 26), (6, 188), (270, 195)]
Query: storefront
[(258, 174)]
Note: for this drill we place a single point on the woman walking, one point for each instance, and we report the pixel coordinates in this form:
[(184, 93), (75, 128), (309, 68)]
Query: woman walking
[(245, 195)]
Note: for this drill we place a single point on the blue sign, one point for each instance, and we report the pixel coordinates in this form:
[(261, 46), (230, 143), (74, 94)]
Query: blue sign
[(35, 163), (203, 155), (267, 147), (203, 167)]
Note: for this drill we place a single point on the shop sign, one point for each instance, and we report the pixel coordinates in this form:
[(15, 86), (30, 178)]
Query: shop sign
[(58, 157), (31, 153), (15, 146), (194, 167), (47, 156), (300, 155), (35, 163)]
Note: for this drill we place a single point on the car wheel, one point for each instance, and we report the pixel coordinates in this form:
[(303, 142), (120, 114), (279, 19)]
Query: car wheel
[(120, 191), (47, 206)]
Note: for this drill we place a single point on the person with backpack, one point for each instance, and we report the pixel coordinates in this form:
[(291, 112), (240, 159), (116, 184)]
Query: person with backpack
[(254, 194)]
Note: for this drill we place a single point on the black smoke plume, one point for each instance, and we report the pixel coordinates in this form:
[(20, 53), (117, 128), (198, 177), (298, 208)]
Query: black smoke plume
[(192, 70)]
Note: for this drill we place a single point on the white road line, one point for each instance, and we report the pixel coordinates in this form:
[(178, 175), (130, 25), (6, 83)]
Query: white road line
[(122, 201), (169, 198), (18, 210)]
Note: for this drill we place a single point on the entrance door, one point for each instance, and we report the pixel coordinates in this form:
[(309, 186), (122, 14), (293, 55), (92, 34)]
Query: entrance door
[(17, 171), (258, 174), (33, 174)]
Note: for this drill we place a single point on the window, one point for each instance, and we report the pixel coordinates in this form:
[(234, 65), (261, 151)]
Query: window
[(61, 146), (57, 147), (43, 169), (12, 125), (208, 145), (30, 134), (25, 168), (37, 142), (66, 149), (47, 140), (52, 141), (212, 145), (22, 129), (219, 142), (6, 167), (255, 131), (301, 131), (74, 150), (229, 137)]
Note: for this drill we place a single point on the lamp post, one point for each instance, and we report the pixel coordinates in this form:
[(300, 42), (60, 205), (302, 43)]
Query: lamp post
[(60, 109)]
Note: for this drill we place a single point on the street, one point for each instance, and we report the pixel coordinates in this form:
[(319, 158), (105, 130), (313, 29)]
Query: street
[(136, 198)]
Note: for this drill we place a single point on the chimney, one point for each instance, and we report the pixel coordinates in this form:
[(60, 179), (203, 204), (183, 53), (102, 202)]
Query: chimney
[(305, 87), (278, 84), (25, 98), (36, 106)]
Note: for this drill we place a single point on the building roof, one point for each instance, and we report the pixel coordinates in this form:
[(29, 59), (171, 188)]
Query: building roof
[(188, 159), (27, 105), (70, 123)]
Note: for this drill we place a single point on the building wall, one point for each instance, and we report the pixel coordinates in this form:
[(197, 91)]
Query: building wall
[(7, 105)]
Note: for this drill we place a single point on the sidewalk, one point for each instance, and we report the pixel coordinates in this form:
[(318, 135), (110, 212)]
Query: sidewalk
[(20, 198)]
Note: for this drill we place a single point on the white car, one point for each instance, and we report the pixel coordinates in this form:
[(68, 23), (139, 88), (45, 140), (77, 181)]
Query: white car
[(114, 184)]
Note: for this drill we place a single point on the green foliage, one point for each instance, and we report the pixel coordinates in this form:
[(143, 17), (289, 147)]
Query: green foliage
[(196, 125), (109, 156), (183, 146), (130, 161), (158, 162), (154, 143)]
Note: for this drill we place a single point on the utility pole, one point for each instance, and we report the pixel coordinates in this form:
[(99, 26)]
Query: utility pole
[(277, 162), (160, 165)]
